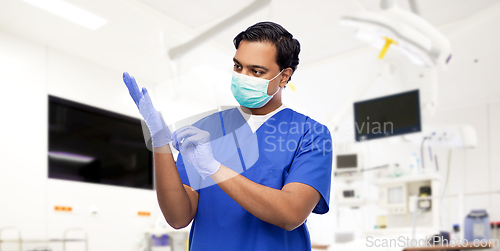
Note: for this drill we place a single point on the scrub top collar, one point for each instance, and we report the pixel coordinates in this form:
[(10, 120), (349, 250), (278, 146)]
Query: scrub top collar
[(256, 121)]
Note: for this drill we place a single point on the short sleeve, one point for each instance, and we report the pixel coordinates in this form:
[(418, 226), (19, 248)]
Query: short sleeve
[(312, 163), (189, 176)]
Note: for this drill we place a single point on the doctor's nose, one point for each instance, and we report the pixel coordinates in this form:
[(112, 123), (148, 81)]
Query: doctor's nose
[(247, 72)]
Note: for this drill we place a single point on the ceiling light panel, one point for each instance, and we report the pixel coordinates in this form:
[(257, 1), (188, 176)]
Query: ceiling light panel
[(70, 12)]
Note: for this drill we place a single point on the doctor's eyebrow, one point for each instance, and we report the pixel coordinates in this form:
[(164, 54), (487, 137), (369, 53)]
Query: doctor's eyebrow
[(252, 66)]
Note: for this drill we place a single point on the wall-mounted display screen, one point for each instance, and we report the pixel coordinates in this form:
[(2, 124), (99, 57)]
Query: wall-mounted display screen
[(347, 161), (93, 145), (387, 116)]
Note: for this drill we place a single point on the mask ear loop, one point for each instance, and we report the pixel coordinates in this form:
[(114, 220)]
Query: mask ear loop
[(273, 79), (276, 76), (276, 92)]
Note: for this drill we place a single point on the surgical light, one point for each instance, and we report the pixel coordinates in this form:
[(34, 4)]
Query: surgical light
[(70, 12), (408, 33)]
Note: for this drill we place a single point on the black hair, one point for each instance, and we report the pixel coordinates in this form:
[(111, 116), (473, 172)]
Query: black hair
[(287, 47)]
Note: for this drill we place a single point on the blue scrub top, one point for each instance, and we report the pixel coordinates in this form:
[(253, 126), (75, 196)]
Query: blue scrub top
[(288, 147)]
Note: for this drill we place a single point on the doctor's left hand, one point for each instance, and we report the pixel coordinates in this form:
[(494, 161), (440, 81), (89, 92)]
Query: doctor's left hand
[(194, 144)]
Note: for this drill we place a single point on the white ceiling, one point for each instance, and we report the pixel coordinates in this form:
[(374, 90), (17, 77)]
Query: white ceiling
[(132, 38)]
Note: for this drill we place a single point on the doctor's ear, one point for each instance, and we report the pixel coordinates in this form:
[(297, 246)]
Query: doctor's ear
[(285, 75)]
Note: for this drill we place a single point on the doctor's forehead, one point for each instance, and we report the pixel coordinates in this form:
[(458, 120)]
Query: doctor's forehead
[(256, 53)]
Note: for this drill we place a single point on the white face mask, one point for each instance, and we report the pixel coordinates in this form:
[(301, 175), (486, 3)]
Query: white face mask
[(251, 92)]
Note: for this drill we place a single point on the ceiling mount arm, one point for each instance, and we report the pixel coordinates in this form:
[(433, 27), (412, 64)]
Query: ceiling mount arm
[(180, 50)]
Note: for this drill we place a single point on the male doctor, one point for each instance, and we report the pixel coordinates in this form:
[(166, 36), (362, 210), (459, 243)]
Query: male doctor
[(247, 177)]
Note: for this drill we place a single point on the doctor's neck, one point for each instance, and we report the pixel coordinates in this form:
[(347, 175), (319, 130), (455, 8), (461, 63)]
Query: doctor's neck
[(271, 106)]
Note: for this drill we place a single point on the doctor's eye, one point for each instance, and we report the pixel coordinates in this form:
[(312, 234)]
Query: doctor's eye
[(237, 67), (257, 72)]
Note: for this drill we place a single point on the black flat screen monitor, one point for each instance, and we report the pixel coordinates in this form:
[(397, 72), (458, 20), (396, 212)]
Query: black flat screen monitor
[(347, 161), (387, 116), (89, 144)]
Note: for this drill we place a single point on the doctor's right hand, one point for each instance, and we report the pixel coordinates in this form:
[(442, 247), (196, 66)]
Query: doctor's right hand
[(159, 130), (195, 145)]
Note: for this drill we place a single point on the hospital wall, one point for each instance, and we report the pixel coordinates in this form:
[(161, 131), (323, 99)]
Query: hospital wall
[(30, 72)]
